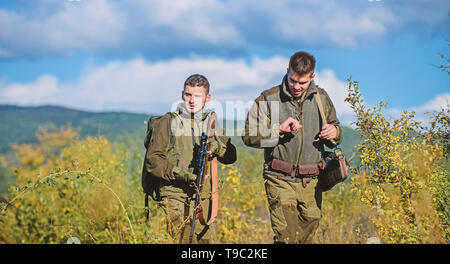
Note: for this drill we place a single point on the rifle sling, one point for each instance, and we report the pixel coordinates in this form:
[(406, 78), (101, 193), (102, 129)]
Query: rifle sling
[(214, 202)]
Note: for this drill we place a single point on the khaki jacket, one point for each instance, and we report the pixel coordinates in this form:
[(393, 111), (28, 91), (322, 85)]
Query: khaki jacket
[(173, 143), (272, 108)]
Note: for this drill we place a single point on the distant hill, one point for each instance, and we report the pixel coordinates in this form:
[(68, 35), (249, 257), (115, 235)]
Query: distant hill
[(20, 124)]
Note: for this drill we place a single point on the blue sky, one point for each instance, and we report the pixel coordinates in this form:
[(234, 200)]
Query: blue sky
[(134, 56)]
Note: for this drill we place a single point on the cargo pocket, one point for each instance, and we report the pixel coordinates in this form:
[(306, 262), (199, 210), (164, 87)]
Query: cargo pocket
[(275, 209), (312, 203)]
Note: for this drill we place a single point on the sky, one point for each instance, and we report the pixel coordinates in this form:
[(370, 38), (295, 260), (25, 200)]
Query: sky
[(134, 56)]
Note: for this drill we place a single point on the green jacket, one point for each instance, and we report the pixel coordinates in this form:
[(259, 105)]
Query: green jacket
[(172, 145), (272, 108)]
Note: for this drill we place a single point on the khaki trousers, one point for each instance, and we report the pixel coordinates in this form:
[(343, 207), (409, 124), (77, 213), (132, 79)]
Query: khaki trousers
[(295, 210), (178, 201)]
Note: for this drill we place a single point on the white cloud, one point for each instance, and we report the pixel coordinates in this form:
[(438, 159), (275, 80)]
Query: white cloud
[(174, 28), (199, 20), (139, 82), (42, 91), (138, 85), (422, 112), (70, 28), (336, 89), (436, 104), (335, 23)]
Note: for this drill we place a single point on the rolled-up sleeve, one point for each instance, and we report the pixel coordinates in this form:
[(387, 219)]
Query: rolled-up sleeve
[(332, 117)]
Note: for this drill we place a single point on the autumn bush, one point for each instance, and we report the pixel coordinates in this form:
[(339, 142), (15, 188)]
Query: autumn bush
[(243, 214), (68, 186), (404, 173)]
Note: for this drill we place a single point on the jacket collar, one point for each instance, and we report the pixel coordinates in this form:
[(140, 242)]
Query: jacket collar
[(200, 115), (286, 94)]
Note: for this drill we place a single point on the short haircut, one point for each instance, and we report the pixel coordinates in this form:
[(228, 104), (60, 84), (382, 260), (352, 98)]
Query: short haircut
[(302, 63), (197, 80)]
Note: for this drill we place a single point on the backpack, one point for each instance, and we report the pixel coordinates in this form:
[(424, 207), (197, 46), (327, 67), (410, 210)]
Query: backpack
[(150, 183)]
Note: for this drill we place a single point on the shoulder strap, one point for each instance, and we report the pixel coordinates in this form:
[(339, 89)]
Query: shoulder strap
[(319, 104), (322, 112), (151, 123)]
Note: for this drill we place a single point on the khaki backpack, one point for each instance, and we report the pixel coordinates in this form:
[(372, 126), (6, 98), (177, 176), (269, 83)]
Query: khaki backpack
[(150, 183)]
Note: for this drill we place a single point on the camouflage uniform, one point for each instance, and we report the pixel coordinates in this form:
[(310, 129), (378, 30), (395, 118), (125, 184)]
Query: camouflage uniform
[(294, 210), (172, 150)]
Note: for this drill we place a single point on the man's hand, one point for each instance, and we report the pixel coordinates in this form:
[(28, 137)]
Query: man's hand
[(185, 176), (289, 125), (328, 132), (216, 147)]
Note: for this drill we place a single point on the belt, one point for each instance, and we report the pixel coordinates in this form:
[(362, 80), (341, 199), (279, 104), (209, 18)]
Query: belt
[(304, 180), (295, 173)]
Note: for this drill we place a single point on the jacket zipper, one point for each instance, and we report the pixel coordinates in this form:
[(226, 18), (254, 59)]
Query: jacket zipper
[(300, 134)]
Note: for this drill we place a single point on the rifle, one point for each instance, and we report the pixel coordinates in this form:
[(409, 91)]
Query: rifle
[(202, 155)]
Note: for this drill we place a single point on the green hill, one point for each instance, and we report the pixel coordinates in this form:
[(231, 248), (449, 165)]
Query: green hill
[(20, 124)]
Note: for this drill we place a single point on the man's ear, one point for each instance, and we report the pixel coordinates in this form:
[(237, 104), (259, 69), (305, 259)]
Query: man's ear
[(312, 76), (182, 95), (208, 97)]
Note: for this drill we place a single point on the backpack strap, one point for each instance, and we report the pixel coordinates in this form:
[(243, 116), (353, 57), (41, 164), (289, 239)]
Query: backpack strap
[(146, 208)]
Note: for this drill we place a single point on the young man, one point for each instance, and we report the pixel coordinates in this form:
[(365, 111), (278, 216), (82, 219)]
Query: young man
[(171, 157), (285, 122)]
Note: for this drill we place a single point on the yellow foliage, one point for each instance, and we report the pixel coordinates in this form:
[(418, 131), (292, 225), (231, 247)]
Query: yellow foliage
[(400, 166)]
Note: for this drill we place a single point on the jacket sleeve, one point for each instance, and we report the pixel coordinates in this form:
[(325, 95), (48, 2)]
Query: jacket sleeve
[(229, 150), (258, 131), (230, 155), (331, 116), (156, 162)]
